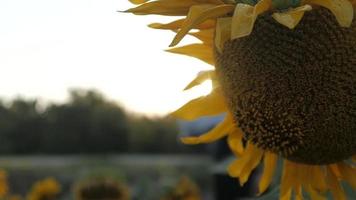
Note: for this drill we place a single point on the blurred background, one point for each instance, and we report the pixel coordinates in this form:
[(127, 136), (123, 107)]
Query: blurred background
[(85, 97)]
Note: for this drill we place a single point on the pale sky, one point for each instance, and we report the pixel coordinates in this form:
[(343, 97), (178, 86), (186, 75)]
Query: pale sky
[(49, 46)]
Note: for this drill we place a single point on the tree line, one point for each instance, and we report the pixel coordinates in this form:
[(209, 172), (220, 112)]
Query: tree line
[(87, 123)]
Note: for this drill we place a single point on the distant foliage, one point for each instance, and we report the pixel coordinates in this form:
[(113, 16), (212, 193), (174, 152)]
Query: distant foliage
[(88, 123)]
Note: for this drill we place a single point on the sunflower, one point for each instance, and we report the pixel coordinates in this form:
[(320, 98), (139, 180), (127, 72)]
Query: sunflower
[(46, 189), (284, 75), (100, 188), (185, 189), (4, 188)]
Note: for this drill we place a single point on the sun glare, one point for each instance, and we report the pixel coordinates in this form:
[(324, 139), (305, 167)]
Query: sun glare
[(205, 88)]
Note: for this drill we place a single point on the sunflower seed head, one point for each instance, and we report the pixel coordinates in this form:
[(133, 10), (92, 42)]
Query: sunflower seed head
[(293, 92)]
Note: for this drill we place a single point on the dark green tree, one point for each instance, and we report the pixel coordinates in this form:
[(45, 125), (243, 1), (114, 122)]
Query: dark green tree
[(22, 126), (86, 124)]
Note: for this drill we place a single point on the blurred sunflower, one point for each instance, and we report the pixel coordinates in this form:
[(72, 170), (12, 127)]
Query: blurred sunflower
[(46, 189), (285, 75), (185, 189), (4, 188), (101, 188)]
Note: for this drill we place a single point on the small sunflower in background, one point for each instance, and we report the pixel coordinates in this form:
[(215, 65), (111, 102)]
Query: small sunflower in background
[(285, 75), (185, 189), (4, 188), (46, 189), (99, 189)]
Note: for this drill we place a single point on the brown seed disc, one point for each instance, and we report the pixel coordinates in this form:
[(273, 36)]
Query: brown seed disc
[(293, 92)]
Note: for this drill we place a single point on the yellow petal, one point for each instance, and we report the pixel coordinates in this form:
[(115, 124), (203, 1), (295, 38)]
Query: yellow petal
[(298, 192), (138, 1), (212, 1), (177, 24), (197, 15), (243, 166), (317, 178), (287, 195), (270, 162), (292, 17), (245, 16), (237, 165), (223, 32), (206, 36), (202, 76), (164, 7), (289, 175), (201, 51), (314, 195), (251, 165), (235, 142), (348, 173), (174, 25), (221, 130), (334, 185), (335, 170), (342, 9), (210, 105), (304, 176)]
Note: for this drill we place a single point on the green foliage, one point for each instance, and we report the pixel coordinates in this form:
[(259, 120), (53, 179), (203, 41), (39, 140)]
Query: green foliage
[(88, 123)]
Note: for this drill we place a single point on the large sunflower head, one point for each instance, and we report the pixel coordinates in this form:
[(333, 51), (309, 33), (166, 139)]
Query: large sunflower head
[(285, 74)]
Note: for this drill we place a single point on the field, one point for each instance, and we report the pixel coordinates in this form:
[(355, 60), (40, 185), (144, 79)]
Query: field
[(147, 176)]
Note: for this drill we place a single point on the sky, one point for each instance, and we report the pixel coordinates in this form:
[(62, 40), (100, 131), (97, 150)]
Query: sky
[(50, 46)]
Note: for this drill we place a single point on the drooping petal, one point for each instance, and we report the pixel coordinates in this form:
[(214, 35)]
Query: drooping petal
[(197, 15), (317, 178), (206, 36), (269, 166), (342, 9), (201, 51), (245, 16), (177, 24), (221, 130), (235, 142), (292, 17), (314, 195), (210, 105), (289, 175), (287, 195), (251, 165), (237, 165), (138, 1), (348, 173), (298, 193), (335, 170), (243, 166), (164, 7), (334, 185), (174, 25), (202, 76), (223, 32), (304, 174)]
